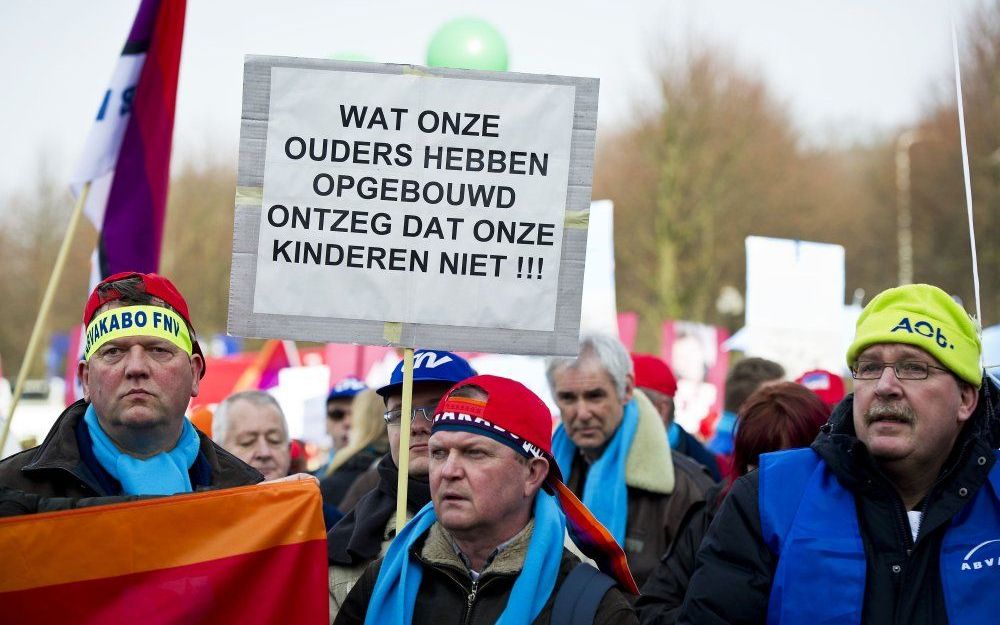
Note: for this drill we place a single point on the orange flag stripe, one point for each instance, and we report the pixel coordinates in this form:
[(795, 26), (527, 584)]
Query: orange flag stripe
[(188, 528)]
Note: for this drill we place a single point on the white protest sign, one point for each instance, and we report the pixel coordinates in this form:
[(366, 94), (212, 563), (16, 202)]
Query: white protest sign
[(412, 206), (795, 303)]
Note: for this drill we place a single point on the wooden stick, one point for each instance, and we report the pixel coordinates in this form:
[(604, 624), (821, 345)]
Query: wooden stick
[(43, 314), (404, 439)]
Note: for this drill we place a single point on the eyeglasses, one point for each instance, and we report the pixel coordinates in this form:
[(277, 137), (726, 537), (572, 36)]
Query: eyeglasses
[(393, 417), (904, 370), (337, 414)]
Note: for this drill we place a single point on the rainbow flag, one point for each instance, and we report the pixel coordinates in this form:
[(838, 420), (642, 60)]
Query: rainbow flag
[(247, 556)]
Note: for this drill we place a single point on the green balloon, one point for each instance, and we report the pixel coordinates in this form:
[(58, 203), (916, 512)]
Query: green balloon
[(468, 43)]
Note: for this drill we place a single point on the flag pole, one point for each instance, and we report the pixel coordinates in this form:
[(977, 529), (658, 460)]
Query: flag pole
[(404, 439), (43, 313)]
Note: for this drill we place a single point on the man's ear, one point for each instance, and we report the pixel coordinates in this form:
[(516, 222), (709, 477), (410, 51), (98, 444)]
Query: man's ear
[(968, 400), (538, 470), (629, 387), (197, 366), (83, 375)]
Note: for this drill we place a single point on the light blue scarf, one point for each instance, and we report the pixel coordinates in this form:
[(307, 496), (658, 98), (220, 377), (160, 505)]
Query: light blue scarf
[(166, 473), (674, 435), (604, 492), (395, 591)]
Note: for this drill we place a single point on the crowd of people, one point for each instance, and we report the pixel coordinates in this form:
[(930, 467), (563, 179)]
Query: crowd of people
[(806, 505)]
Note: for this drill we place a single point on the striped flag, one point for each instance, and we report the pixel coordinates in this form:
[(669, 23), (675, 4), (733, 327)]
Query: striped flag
[(126, 157), (127, 154), (250, 555)]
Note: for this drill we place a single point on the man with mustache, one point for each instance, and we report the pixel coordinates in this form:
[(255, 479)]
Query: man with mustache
[(893, 514), (365, 532), (129, 435)]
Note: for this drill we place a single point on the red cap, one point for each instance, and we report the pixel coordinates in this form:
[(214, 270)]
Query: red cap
[(827, 385), (154, 284), (511, 414), (651, 372)]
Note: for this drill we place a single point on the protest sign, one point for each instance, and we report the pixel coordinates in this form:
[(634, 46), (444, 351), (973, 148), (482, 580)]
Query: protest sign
[(410, 206)]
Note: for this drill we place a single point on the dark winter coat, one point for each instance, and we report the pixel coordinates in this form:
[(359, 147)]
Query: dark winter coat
[(334, 486), (663, 592), (446, 594), (64, 464), (658, 499), (903, 585)]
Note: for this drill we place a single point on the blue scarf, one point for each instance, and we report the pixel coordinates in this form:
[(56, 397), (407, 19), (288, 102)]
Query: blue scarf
[(604, 493), (674, 435), (166, 473), (722, 442), (395, 591)]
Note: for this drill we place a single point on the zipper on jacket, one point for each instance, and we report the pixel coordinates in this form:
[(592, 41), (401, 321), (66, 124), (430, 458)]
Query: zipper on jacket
[(470, 601)]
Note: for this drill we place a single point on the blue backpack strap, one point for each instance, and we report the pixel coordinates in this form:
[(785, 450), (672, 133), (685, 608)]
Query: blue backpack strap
[(782, 480), (581, 592)]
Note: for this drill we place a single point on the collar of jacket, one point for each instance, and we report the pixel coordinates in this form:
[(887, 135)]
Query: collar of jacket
[(438, 551), (60, 452), (649, 465)]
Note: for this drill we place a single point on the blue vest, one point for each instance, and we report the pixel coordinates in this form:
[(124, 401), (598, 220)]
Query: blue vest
[(810, 522)]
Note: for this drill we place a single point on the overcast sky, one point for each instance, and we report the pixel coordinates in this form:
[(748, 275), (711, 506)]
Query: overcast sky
[(847, 69)]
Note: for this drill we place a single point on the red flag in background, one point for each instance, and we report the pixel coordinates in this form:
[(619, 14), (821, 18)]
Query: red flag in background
[(262, 374), (254, 555)]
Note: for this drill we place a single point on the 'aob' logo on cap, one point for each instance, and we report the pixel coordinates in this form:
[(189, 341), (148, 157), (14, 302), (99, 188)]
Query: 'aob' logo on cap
[(923, 328)]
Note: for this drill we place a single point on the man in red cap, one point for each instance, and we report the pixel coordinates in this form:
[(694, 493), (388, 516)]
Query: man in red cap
[(489, 547), (654, 378), (129, 436)]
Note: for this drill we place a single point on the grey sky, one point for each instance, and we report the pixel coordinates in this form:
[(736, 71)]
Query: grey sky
[(845, 68)]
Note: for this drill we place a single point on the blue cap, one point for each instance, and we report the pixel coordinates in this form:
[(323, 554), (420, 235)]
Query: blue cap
[(430, 366), (346, 388)]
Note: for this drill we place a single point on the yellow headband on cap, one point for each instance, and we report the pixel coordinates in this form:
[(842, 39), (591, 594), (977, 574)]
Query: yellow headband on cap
[(137, 321)]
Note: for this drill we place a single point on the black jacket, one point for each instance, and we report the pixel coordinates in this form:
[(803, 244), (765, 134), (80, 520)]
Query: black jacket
[(663, 592), (903, 586), (358, 536), (334, 486), (64, 464), (446, 593)]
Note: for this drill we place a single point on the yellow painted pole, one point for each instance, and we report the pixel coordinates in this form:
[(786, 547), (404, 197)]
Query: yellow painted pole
[(404, 439), (43, 313)]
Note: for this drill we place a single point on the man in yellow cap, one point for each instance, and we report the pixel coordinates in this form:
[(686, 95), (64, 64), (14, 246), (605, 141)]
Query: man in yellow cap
[(893, 514)]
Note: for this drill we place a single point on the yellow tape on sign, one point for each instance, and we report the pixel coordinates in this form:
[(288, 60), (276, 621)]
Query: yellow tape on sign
[(137, 321)]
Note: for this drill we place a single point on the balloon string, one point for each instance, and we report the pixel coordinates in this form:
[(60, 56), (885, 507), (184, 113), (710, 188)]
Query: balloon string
[(965, 168)]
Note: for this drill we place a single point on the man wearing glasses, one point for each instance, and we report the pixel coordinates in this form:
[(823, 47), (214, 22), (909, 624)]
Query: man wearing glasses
[(364, 534), (893, 514)]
